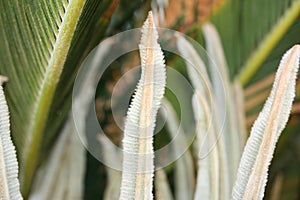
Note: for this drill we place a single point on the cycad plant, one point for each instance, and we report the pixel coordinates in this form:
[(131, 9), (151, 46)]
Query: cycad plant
[(44, 44), (214, 170)]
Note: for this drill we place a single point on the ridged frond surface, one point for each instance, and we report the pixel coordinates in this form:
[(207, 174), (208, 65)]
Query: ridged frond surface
[(138, 154), (255, 33), (258, 153), (9, 183), (43, 44)]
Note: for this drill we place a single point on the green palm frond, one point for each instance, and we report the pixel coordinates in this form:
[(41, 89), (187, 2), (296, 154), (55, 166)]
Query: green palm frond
[(251, 30), (43, 43)]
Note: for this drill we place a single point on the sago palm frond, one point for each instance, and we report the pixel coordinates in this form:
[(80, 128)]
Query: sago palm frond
[(138, 163), (9, 183)]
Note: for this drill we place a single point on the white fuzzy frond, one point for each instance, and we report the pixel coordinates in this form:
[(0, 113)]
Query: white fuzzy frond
[(162, 187), (114, 177), (9, 183), (62, 175), (138, 155), (258, 153), (225, 103), (195, 65), (184, 168), (201, 113)]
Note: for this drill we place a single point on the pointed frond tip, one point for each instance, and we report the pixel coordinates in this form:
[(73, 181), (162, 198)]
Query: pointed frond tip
[(138, 154), (258, 153), (9, 183)]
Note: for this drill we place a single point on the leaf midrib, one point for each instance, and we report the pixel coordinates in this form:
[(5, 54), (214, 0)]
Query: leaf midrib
[(269, 140), (268, 43), (47, 91)]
